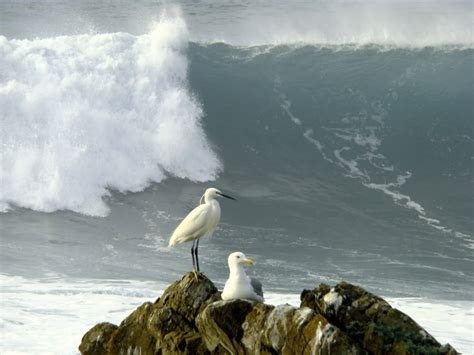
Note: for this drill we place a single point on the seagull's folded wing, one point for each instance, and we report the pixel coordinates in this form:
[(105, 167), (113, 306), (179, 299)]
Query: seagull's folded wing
[(257, 286)]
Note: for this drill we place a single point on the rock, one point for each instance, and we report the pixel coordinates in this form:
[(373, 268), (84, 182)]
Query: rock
[(247, 327), (221, 324), (133, 335), (371, 321), (164, 327), (95, 340), (189, 296), (191, 318)]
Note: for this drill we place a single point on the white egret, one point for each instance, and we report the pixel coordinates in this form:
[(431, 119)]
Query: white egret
[(200, 222), (239, 285)]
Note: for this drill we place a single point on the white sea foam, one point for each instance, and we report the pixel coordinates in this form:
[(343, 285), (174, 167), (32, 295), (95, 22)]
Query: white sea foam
[(84, 114), (286, 105), (360, 139), (350, 164), (50, 316)]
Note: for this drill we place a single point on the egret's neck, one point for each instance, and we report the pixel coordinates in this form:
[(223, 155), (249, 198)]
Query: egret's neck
[(210, 200)]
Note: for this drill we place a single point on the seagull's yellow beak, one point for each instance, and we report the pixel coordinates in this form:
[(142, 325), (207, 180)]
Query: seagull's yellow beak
[(249, 262)]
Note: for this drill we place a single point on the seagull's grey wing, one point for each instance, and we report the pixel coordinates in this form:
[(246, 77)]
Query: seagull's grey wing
[(257, 286)]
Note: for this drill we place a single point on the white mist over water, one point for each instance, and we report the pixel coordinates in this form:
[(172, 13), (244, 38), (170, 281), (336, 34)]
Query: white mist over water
[(271, 22), (335, 23), (88, 113)]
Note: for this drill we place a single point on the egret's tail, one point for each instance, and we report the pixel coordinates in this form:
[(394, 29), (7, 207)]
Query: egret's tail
[(173, 240)]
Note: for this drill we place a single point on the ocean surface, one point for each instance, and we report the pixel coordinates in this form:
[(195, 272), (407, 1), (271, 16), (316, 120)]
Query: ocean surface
[(343, 129)]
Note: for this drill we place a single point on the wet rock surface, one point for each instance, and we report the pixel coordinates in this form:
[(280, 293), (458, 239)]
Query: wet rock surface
[(191, 318)]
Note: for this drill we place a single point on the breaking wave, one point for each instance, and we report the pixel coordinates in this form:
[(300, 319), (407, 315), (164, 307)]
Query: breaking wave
[(85, 114)]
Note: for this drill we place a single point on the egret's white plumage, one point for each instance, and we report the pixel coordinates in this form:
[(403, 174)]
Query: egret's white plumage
[(239, 285), (200, 222)]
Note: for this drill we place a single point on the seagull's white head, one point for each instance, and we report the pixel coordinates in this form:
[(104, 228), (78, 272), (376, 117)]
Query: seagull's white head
[(212, 193), (237, 259)]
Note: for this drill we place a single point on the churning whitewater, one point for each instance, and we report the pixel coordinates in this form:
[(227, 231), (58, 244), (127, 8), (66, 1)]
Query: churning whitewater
[(85, 114)]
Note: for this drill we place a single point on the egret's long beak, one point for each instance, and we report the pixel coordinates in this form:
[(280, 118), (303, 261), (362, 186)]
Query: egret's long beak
[(227, 196), (249, 262)]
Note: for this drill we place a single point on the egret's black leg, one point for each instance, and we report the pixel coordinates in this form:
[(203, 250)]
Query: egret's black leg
[(192, 254), (196, 251)]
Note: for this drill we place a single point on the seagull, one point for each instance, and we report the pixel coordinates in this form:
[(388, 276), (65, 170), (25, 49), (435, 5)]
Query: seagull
[(200, 222), (239, 285)]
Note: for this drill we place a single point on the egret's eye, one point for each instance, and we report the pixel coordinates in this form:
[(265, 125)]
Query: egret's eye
[(238, 256)]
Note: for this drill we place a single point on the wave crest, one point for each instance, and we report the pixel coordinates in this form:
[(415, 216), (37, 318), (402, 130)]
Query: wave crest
[(336, 24)]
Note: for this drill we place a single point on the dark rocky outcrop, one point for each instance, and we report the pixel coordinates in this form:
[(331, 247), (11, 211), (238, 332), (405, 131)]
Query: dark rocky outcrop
[(191, 318), (371, 321)]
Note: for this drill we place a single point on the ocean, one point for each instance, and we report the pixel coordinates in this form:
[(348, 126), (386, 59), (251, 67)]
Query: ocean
[(343, 129)]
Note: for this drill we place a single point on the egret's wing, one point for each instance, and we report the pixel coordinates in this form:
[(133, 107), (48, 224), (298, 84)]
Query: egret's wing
[(192, 226), (202, 201), (257, 286)]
